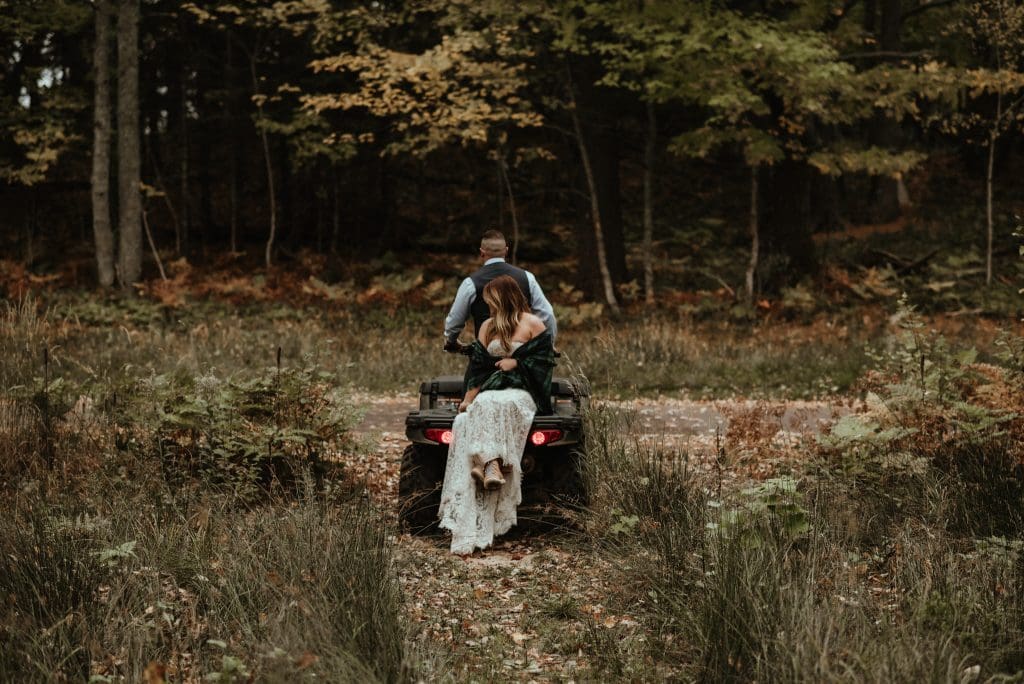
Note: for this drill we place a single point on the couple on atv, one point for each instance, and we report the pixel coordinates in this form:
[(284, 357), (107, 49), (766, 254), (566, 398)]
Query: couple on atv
[(507, 382)]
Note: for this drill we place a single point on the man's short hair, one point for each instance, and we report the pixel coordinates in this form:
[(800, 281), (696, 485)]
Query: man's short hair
[(493, 243)]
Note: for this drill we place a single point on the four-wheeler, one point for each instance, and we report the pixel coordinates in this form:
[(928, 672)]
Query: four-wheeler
[(552, 462)]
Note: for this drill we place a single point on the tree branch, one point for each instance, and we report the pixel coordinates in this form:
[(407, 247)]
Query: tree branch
[(884, 54)]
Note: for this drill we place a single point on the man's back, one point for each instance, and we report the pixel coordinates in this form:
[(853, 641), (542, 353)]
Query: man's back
[(469, 300), (485, 274)]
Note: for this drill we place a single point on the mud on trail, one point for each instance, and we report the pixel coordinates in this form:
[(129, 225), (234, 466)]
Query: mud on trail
[(549, 607)]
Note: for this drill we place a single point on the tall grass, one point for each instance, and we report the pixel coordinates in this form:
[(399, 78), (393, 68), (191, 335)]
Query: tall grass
[(97, 344), (863, 589), (109, 565), (665, 355), (200, 586)]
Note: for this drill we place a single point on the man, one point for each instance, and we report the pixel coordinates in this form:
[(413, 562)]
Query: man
[(469, 301)]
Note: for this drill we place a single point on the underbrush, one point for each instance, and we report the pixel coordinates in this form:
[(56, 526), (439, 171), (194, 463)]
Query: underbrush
[(196, 587), (162, 522), (894, 553), (102, 341)]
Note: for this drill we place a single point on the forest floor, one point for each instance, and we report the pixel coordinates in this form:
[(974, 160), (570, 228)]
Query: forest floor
[(549, 606)]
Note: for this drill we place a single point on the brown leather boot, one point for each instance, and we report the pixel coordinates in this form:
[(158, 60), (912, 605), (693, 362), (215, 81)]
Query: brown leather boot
[(477, 471), (492, 475)]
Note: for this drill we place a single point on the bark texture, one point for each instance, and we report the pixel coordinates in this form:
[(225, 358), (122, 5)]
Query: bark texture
[(650, 152), (128, 162), (103, 232)]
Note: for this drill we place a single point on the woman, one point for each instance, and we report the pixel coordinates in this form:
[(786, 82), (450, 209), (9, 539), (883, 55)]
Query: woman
[(508, 381)]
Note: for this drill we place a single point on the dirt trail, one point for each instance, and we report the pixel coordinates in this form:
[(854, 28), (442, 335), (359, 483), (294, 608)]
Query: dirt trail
[(747, 430), (548, 607), (665, 417)]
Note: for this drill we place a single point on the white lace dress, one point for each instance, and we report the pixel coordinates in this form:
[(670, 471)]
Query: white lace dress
[(495, 425)]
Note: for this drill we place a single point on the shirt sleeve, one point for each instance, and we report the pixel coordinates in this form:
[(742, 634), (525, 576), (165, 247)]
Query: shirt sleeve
[(459, 313), (541, 306)]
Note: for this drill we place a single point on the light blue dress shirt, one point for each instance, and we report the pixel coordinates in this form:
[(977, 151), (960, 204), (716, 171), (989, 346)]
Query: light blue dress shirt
[(464, 298)]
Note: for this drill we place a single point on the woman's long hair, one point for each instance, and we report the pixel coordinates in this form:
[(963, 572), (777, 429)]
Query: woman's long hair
[(507, 304)]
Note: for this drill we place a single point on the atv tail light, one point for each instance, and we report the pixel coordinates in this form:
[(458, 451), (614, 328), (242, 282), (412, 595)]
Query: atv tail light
[(542, 437), (439, 435)]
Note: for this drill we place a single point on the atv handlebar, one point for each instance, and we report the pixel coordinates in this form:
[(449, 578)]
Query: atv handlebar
[(456, 348)]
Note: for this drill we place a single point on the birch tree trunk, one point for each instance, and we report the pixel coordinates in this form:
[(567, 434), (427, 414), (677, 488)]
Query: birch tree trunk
[(103, 232), (755, 240), (128, 163), (268, 252), (649, 153)]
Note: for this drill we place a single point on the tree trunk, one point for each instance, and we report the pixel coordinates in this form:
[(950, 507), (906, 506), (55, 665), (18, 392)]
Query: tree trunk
[(602, 144), (499, 194), (287, 214), (787, 223), (598, 126), (511, 210), (595, 210), (129, 197), (230, 111), (755, 241), (186, 212), (335, 210), (102, 230), (989, 173), (268, 252), (870, 15), (649, 154), (233, 199), (885, 132)]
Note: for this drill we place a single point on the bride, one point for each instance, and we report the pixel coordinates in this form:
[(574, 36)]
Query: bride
[(508, 381)]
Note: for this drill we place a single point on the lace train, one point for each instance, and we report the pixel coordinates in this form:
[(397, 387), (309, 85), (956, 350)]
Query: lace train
[(495, 425)]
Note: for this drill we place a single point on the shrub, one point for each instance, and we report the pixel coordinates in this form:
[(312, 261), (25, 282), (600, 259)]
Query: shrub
[(245, 435), (936, 424)]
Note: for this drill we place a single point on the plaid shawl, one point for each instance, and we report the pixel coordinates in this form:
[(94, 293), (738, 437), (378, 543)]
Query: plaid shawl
[(536, 360)]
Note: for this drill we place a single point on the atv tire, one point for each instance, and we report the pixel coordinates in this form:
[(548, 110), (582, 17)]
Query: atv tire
[(565, 481), (419, 488)]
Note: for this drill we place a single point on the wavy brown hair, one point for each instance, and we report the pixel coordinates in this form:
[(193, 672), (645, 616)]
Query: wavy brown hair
[(507, 304)]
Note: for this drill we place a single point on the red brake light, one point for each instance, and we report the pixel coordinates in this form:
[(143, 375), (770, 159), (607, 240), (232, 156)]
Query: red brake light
[(542, 437), (439, 435)]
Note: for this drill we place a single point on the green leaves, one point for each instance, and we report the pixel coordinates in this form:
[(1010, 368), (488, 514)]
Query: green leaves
[(464, 88), (114, 556), (772, 505), (247, 433)]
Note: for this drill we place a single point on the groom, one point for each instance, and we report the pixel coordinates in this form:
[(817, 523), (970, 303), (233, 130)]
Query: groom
[(469, 300)]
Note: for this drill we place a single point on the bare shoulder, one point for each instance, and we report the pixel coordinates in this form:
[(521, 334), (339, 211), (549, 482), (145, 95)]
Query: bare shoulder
[(534, 324), (485, 331)]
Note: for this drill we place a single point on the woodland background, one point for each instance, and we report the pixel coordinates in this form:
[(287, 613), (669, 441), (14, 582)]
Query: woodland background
[(635, 146), (782, 240)]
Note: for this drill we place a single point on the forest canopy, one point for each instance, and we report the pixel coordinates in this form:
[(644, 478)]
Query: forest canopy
[(652, 144)]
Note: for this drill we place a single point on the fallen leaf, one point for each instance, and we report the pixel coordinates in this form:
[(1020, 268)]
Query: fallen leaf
[(154, 673), (306, 660)]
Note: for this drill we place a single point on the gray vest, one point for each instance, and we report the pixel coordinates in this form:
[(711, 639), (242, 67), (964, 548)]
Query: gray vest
[(486, 274)]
